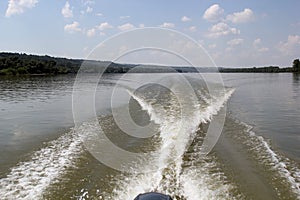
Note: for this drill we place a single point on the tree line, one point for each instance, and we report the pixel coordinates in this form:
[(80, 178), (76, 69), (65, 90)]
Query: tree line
[(21, 64), (271, 69)]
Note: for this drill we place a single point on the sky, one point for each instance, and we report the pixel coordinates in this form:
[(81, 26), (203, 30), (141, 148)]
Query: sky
[(235, 33)]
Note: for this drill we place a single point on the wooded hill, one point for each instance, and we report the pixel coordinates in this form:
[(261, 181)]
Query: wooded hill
[(22, 64)]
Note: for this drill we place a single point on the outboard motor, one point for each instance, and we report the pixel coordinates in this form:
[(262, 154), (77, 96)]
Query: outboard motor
[(153, 196)]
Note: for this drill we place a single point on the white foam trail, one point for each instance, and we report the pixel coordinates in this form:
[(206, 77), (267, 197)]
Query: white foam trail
[(176, 131), (28, 180), (280, 165), (199, 184)]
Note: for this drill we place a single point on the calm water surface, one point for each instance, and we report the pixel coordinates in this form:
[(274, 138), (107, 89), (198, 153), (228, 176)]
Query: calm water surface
[(271, 104)]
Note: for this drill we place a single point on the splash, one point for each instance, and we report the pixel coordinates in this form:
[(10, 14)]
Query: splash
[(179, 118)]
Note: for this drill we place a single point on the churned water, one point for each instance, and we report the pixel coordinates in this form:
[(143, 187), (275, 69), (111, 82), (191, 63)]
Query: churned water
[(45, 156)]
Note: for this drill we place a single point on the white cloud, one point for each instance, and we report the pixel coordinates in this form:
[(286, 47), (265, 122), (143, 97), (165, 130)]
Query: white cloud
[(185, 19), (213, 13), (124, 17), (222, 29), (104, 25), (66, 11), (167, 25), (257, 45), (142, 25), (291, 46), (91, 32), (126, 27), (241, 17), (99, 14), (88, 2), (89, 9), (193, 28), (19, 6), (256, 42), (235, 42), (263, 49), (74, 27)]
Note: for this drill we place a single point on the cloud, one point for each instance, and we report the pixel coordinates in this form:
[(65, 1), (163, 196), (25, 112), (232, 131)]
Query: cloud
[(88, 2), (142, 25), (126, 27), (19, 6), (99, 14), (263, 49), (104, 25), (213, 13), (89, 9), (167, 25), (185, 19), (66, 11), (256, 42), (291, 46), (241, 17), (235, 42), (258, 47), (91, 32), (193, 28), (74, 27), (124, 17), (222, 29)]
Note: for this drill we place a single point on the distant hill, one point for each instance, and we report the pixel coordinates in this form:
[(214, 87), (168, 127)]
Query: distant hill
[(270, 69), (18, 64), (22, 64)]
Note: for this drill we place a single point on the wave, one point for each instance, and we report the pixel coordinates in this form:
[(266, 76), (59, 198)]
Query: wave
[(176, 167), (179, 118), (30, 179), (285, 173)]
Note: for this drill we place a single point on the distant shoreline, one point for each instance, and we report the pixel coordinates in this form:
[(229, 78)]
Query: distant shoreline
[(15, 64), (270, 69)]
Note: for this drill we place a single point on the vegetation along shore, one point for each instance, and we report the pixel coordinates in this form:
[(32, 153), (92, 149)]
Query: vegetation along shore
[(14, 64)]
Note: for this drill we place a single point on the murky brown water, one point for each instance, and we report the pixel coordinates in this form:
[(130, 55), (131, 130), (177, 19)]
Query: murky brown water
[(256, 157)]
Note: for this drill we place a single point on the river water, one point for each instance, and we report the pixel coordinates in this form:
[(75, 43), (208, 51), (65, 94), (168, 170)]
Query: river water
[(44, 155)]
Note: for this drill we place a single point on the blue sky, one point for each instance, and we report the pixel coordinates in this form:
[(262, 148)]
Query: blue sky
[(234, 32)]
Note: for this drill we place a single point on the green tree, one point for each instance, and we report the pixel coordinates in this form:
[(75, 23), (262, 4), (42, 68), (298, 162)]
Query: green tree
[(296, 65)]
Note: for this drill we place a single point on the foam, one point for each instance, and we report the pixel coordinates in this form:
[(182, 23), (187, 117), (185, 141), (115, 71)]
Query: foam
[(199, 184), (282, 166), (176, 132), (28, 180)]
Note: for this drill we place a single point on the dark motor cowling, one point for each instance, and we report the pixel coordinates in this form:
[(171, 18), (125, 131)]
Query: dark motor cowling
[(153, 196)]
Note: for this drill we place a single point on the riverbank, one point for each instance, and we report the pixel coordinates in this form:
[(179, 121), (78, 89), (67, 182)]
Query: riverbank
[(15, 64)]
